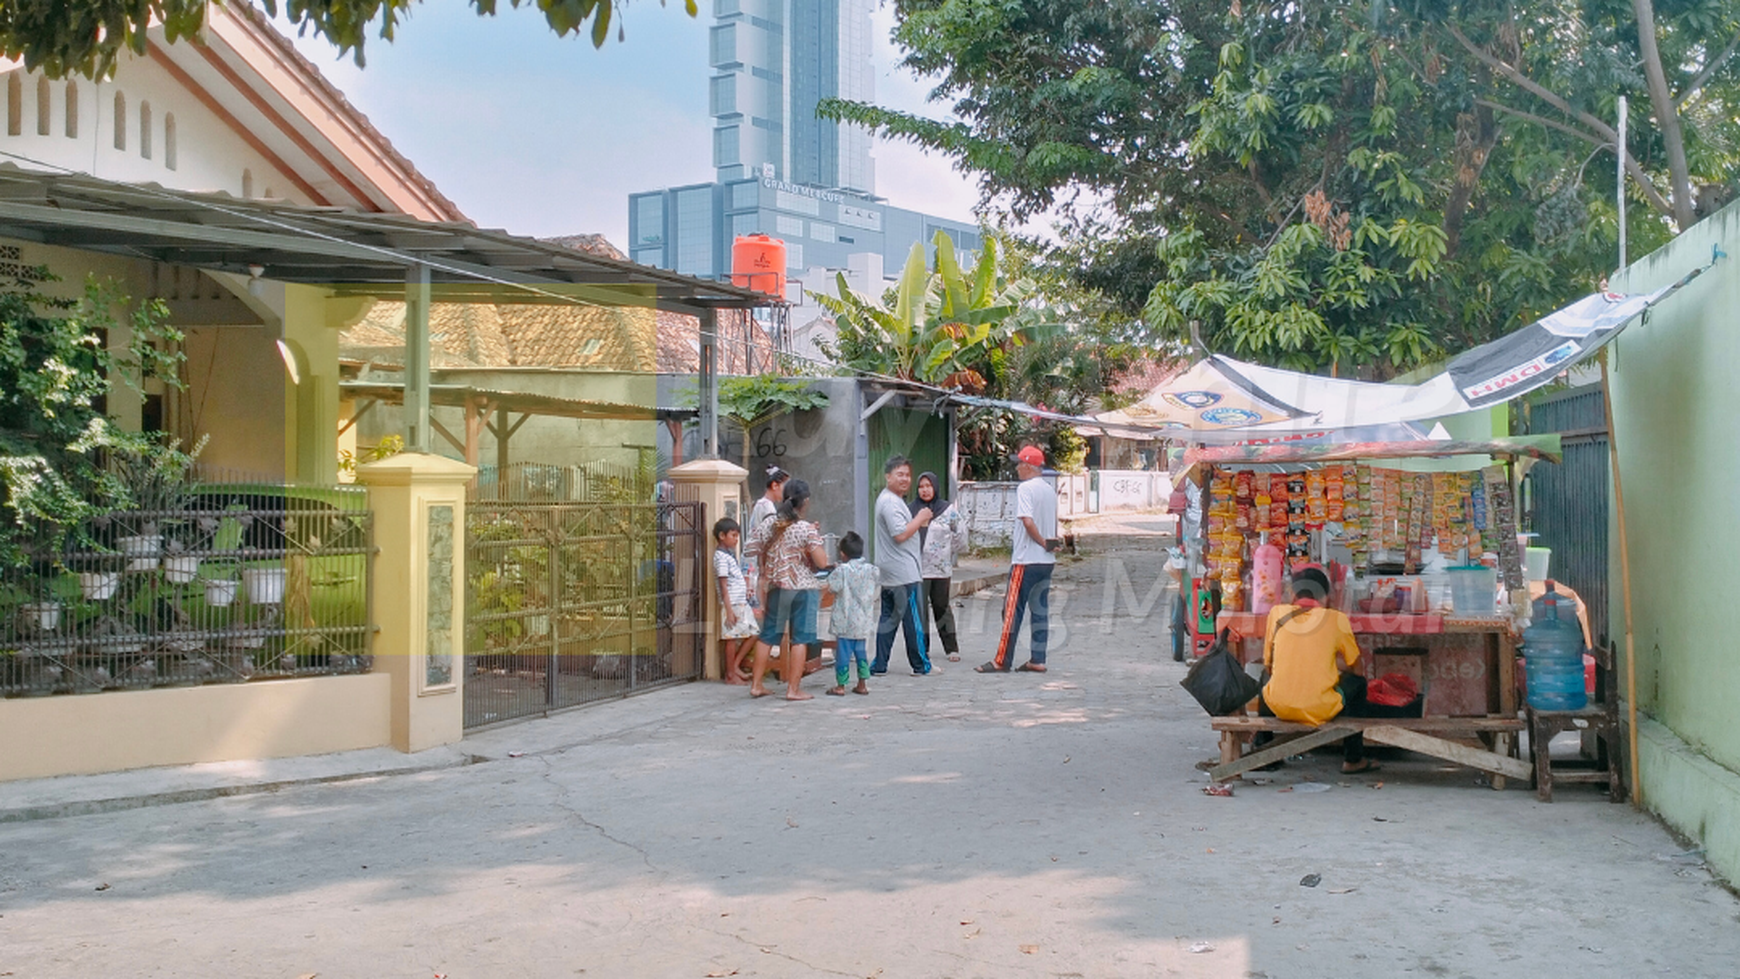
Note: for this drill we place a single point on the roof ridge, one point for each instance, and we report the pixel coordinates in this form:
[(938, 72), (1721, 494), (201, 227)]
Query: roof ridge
[(253, 17)]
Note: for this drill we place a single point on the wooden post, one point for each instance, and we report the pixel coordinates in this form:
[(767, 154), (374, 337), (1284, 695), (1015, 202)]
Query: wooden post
[(475, 410), (1625, 588)]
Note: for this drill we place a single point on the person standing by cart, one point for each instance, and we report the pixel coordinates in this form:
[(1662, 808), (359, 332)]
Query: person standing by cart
[(1031, 562), (940, 543)]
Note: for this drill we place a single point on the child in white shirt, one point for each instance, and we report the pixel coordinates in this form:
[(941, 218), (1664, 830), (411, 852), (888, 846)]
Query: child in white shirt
[(739, 626)]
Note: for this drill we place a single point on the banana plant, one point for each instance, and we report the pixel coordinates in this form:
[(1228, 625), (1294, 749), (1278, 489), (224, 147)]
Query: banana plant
[(946, 325)]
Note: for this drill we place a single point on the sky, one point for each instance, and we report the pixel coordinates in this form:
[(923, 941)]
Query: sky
[(545, 136)]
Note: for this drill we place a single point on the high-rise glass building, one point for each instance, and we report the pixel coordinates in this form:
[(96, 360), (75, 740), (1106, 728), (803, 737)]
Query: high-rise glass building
[(773, 61), (778, 169)]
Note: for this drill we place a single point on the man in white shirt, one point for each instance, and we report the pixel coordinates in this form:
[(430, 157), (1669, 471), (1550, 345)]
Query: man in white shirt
[(1030, 563), (896, 530)]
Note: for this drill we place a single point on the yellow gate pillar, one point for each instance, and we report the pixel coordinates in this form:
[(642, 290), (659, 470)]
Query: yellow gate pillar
[(718, 486), (419, 593)]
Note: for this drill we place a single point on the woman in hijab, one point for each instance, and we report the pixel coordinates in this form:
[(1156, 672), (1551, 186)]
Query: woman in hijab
[(942, 541)]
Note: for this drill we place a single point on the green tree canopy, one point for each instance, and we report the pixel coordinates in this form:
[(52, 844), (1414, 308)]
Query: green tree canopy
[(84, 37), (1348, 185)]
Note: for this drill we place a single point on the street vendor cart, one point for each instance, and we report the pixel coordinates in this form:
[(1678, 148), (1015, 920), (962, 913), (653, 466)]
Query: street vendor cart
[(1416, 556)]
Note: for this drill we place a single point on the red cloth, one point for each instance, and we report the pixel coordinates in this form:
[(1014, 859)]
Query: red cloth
[(1179, 501), (1392, 690)]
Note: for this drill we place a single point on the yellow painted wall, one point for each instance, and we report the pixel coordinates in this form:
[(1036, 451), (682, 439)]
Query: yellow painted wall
[(235, 395), (107, 732)]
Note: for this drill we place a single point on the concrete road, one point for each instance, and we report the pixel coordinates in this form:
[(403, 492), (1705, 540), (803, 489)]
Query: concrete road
[(956, 825)]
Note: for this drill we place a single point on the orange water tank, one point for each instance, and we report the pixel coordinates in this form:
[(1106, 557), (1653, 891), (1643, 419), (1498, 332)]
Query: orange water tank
[(758, 262)]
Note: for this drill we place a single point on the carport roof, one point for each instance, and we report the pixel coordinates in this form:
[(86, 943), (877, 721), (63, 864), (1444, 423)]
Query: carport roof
[(356, 253)]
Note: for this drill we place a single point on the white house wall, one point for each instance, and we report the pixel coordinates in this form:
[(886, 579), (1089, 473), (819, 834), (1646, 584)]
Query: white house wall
[(209, 154)]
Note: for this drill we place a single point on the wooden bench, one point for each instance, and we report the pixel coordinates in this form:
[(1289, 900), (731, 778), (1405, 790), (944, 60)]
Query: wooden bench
[(1426, 735)]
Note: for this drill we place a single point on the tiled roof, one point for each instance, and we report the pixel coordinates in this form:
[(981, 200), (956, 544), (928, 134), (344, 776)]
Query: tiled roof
[(744, 347), (600, 337), (522, 335), (590, 244), (1146, 375)]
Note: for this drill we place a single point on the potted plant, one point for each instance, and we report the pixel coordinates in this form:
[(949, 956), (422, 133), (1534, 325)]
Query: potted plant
[(222, 569), (98, 586)]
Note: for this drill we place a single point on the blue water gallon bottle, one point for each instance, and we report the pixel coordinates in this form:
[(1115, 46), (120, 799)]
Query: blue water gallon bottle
[(1553, 654)]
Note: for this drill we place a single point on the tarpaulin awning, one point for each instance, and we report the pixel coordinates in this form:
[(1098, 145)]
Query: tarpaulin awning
[(1221, 399)]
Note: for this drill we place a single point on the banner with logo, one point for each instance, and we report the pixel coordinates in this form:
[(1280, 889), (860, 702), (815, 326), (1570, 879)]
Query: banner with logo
[(1214, 395)]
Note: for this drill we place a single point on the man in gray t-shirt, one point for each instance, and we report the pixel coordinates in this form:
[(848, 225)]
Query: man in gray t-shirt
[(896, 530)]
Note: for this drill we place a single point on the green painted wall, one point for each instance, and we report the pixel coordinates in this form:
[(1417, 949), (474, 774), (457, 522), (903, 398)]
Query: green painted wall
[(1673, 378)]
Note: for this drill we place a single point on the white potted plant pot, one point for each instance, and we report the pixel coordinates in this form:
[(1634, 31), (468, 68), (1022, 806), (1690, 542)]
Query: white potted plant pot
[(220, 592), (141, 551), (144, 545), (181, 568), (42, 616), (99, 585), (265, 585)]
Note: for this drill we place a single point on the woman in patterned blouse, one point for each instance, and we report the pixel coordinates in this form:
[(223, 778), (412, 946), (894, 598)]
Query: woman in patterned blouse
[(791, 551)]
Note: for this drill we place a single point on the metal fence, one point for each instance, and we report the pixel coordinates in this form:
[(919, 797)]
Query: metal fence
[(540, 482), (237, 582), (1566, 504), (571, 602)]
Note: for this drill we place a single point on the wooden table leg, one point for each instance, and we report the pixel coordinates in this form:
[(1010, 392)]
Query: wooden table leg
[(1231, 745), (1506, 674), (1501, 746)]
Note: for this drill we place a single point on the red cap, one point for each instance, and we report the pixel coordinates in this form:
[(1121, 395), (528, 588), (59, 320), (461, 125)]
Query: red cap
[(1031, 456)]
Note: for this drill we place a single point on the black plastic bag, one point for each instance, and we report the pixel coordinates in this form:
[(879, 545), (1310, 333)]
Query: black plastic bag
[(1218, 682)]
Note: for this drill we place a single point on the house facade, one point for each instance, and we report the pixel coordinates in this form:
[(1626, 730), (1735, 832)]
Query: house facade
[(240, 114)]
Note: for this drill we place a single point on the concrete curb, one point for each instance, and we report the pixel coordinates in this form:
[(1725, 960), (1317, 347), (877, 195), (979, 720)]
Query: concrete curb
[(88, 807), (110, 792), (968, 584)]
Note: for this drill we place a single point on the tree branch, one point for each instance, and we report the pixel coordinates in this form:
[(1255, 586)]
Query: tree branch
[(1549, 123), (1632, 167), (1710, 69), (1650, 194), (1530, 85)]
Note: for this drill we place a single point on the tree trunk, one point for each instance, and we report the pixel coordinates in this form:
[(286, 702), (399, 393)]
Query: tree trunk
[(1476, 135), (1667, 116)]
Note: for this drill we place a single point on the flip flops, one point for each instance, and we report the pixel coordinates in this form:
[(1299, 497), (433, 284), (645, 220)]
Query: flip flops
[(988, 668), (1030, 668)]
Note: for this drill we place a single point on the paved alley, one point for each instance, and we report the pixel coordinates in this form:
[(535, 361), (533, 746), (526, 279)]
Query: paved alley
[(949, 826)]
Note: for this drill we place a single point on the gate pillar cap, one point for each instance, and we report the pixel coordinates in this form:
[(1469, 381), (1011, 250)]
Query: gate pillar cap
[(409, 468), (707, 471)]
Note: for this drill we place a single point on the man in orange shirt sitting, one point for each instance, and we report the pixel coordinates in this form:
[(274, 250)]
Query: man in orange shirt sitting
[(1301, 646)]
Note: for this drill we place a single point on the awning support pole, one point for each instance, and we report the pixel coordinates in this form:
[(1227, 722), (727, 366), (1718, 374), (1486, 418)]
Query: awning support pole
[(709, 383), (501, 443), (1625, 588), (417, 433)]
